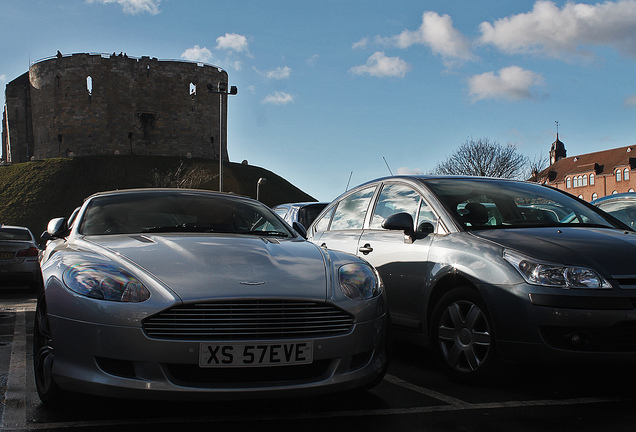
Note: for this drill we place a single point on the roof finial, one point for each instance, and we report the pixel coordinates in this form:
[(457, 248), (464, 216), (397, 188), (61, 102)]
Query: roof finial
[(557, 128)]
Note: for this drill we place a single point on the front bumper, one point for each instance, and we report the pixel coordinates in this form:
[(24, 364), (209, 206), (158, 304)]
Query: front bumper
[(564, 325), (120, 361)]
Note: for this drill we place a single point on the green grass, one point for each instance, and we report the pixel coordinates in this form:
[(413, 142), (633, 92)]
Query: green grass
[(32, 193)]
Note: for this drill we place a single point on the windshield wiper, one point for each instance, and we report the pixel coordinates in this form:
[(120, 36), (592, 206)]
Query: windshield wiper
[(177, 228), (266, 233)]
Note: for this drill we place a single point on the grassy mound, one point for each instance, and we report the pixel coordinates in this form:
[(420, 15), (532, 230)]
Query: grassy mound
[(32, 193)]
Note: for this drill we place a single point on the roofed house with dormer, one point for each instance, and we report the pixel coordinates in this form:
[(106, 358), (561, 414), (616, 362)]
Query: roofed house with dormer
[(593, 175)]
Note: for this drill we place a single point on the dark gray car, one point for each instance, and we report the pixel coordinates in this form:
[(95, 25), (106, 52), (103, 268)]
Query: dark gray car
[(484, 270)]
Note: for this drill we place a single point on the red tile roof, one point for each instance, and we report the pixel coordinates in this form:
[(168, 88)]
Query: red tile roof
[(601, 162)]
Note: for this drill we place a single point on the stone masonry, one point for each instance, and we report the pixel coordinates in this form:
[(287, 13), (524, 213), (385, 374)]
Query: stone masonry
[(92, 104)]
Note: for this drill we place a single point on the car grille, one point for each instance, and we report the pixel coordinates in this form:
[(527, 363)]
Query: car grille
[(246, 320)]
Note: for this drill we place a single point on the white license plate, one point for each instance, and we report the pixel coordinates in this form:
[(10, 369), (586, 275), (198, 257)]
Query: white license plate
[(254, 354)]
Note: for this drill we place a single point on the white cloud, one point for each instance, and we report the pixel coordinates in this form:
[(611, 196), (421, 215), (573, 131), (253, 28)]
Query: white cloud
[(437, 32), (278, 73), (3, 78), (134, 7), (232, 42), (568, 31), (512, 83), (197, 54), (279, 98), (361, 44), (630, 102), (409, 171), (311, 61), (379, 65)]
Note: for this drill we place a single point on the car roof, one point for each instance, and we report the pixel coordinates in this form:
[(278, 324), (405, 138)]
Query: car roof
[(167, 190), (614, 197)]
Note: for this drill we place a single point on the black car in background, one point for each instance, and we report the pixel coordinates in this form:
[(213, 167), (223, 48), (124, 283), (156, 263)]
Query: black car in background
[(303, 213), (622, 206), (485, 270)]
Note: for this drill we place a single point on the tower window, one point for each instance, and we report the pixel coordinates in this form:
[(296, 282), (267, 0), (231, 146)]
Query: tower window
[(89, 85)]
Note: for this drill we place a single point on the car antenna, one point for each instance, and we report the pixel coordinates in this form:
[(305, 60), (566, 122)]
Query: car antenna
[(387, 165), (349, 181)]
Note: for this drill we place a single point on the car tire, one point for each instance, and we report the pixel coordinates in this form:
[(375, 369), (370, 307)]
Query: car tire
[(43, 358), (462, 336)]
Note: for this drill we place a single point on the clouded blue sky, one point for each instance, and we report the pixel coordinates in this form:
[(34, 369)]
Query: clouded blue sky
[(330, 87)]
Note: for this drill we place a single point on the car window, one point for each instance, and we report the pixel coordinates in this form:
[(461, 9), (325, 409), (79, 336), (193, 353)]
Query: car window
[(394, 198), (322, 224), (14, 234), (426, 215), (623, 210), (351, 211), (488, 204), (178, 212)]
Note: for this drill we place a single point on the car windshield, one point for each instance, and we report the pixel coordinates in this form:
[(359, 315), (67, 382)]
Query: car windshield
[(14, 234), (492, 204), (170, 212)]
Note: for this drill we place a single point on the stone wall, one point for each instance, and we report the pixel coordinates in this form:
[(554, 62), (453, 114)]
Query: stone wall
[(88, 104)]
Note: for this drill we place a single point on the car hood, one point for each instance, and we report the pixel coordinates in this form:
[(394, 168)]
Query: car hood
[(610, 251), (225, 266)]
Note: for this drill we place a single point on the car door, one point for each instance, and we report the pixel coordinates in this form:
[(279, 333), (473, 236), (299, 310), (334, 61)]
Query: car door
[(340, 228), (401, 260)]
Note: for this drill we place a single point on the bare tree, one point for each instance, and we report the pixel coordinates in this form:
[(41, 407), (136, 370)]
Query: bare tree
[(535, 166), (484, 158)]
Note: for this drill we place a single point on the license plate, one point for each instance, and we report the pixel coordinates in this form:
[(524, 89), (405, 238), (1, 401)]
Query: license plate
[(255, 354), (6, 255)]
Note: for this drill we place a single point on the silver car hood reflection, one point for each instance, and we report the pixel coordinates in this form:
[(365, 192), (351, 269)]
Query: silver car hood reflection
[(228, 266), (608, 250)]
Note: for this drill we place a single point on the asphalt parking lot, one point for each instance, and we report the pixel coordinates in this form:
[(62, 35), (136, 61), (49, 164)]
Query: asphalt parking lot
[(413, 397)]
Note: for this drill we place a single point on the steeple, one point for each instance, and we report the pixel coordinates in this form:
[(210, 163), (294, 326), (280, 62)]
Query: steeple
[(557, 150)]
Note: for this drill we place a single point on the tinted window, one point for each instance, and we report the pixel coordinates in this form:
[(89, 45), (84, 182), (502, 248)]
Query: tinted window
[(623, 210), (352, 210), (14, 234), (178, 212), (478, 204), (394, 198)]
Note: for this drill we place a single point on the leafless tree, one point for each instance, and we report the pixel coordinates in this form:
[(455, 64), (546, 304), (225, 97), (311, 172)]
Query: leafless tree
[(484, 158)]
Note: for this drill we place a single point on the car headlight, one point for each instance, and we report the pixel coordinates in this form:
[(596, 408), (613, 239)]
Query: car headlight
[(359, 281), (538, 272), (105, 282)]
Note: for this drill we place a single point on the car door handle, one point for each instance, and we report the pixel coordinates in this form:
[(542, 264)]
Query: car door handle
[(366, 249)]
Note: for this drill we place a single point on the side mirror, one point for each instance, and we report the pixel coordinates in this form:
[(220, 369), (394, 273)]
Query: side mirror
[(399, 222), (57, 228), (300, 229)]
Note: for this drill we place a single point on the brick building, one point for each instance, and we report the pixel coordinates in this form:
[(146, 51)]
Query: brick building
[(592, 175), (94, 104)]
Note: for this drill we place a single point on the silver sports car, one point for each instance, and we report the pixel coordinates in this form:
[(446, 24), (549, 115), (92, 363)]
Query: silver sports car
[(185, 293)]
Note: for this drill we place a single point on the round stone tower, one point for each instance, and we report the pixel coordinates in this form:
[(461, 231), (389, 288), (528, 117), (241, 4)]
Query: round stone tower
[(91, 104)]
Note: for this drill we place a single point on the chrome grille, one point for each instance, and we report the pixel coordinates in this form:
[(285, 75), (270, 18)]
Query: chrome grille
[(256, 319)]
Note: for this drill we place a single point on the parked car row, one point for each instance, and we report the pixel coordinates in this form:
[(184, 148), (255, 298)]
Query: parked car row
[(184, 293)]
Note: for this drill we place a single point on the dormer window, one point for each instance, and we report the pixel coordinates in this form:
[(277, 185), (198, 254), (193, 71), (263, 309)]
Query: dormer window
[(619, 175), (626, 174)]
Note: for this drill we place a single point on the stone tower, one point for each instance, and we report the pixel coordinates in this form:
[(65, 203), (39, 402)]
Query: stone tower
[(92, 104)]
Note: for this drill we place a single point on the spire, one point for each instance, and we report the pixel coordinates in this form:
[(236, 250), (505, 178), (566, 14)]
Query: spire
[(557, 150)]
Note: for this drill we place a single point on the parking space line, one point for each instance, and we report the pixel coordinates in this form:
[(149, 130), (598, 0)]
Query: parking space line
[(14, 416), (427, 392)]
